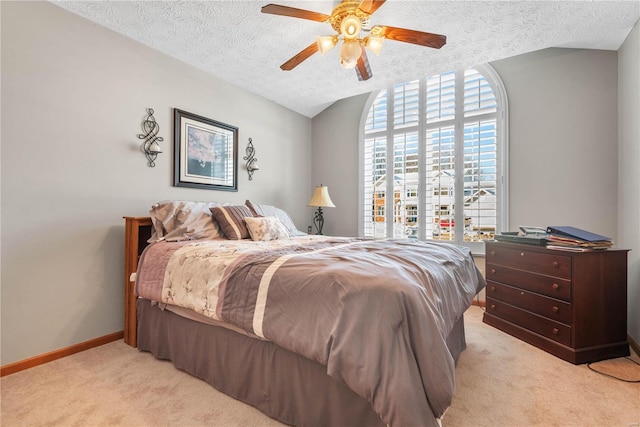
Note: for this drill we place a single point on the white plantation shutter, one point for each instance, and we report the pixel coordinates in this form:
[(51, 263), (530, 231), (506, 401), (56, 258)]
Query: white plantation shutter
[(440, 183), (439, 189), (375, 170), (406, 105), (377, 116), (480, 155), (441, 91), (434, 159), (480, 177), (478, 95), (405, 185)]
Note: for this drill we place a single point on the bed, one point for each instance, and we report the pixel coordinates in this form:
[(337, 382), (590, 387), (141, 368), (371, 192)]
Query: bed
[(311, 330)]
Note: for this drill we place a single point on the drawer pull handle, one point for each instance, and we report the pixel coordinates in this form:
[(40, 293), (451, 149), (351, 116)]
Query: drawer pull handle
[(555, 286), (556, 264), (555, 309), (493, 289), (555, 331), (521, 293), (521, 253), (493, 306), (493, 271)]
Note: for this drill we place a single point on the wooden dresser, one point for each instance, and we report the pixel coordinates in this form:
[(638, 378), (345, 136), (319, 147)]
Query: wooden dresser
[(570, 304), (136, 233)]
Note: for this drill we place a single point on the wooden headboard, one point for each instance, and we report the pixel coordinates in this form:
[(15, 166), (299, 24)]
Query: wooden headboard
[(137, 232)]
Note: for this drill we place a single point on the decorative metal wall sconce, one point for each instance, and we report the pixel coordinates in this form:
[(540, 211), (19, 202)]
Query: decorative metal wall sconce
[(251, 159), (150, 146)]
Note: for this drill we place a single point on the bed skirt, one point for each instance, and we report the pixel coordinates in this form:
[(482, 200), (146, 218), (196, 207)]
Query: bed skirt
[(283, 385)]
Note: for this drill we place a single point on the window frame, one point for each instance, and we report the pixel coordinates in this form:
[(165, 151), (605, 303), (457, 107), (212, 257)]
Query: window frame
[(502, 153)]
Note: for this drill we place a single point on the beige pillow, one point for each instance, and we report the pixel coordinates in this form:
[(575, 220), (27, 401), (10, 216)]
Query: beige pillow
[(282, 215), (266, 228), (231, 221)]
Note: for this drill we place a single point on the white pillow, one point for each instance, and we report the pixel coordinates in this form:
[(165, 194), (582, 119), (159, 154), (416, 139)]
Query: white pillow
[(266, 228)]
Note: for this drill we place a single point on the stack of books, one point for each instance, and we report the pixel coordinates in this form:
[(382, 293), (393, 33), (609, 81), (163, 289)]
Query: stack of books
[(572, 238)]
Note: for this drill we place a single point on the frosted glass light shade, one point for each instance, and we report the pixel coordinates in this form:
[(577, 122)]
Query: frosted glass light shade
[(326, 43), (374, 44), (350, 27), (350, 51)]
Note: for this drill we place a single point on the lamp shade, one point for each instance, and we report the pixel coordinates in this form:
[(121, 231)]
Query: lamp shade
[(321, 198)]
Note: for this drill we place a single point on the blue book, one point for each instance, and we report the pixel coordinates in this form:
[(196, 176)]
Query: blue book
[(576, 233)]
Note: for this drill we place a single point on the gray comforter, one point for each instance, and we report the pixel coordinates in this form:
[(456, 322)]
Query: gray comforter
[(376, 313)]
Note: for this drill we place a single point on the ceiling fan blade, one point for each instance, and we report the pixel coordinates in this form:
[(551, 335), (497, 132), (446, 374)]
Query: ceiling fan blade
[(370, 6), (301, 56), (412, 36), (363, 69), (276, 9)]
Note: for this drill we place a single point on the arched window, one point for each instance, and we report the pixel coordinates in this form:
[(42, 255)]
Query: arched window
[(434, 159)]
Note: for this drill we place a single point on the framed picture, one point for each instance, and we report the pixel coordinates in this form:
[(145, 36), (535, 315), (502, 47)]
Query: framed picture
[(205, 153)]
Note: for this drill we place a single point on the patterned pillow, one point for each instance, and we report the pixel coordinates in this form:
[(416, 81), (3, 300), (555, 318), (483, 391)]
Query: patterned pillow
[(283, 216), (183, 220), (266, 228), (231, 221)]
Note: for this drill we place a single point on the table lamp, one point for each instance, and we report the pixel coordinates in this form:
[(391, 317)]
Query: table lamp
[(320, 199)]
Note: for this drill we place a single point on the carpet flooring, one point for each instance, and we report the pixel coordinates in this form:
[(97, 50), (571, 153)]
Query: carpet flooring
[(501, 381)]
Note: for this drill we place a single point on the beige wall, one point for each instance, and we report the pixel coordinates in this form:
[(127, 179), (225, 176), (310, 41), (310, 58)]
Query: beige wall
[(74, 94), (563, 148), (629, 169), (73, 98), (335, 162), (563, 127)]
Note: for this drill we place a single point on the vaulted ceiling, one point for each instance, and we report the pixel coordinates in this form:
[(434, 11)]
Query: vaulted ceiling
[(234, 41)]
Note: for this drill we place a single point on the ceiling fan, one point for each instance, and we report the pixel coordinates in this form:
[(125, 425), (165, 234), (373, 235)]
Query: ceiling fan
[(349, 19)]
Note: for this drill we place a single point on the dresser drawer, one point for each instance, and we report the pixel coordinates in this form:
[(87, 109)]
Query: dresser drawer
[(549, 264), (546, 285), (541, 325), (548, 307)]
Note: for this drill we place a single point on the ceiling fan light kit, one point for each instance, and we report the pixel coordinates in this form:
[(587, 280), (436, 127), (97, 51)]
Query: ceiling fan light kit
[(348, 19)]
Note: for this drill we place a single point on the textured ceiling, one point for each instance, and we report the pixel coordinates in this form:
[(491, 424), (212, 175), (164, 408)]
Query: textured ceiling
[(236, 42)]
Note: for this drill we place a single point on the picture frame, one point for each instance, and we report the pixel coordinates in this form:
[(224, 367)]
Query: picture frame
[(205, 153)]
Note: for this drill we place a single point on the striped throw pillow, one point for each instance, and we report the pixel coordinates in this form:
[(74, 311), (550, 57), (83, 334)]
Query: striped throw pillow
[(231, 221)]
